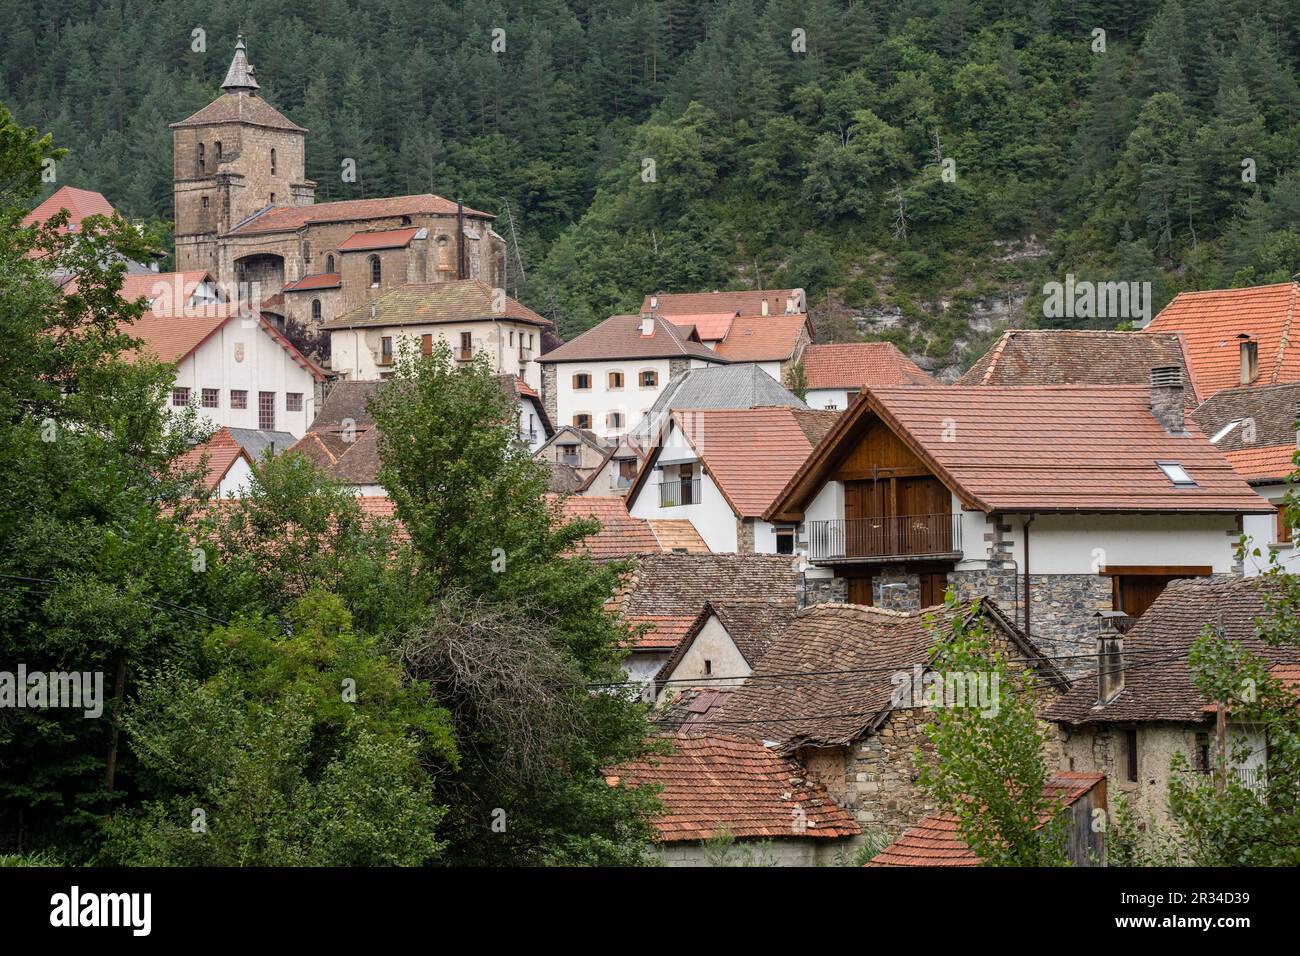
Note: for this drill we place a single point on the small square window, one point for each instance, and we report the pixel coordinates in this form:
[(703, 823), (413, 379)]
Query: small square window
[(239, 398), (785, 541), (293, 401), (1177, 474), (180, 396), (211, 398)]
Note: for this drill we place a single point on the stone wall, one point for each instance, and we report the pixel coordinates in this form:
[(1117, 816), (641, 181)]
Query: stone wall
[(1103, 749), (745, 536), (775, 852), (810, 591), (549, 398)]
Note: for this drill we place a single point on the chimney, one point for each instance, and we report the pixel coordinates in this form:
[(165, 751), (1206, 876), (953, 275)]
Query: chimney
[(654, 301), (765, 306), (372, 310), (1110, 654), (1167, 398), (1297, 424), (647, 325), (1249, 358), (460, 240)]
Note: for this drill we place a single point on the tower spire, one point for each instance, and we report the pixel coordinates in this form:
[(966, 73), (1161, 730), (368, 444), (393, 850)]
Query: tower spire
[(241, 77)]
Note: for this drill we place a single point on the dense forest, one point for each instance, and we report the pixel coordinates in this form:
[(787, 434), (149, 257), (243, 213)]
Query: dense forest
[(922, 167)]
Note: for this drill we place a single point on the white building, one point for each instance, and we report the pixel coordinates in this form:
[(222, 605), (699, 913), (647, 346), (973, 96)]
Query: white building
[(837, 373), (468, 314), (1083, 498), (606, 379)]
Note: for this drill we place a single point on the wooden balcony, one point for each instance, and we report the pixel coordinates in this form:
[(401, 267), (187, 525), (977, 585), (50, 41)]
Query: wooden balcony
[(877, 540)]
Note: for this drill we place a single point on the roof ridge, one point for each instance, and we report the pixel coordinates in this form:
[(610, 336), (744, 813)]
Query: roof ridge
[(998, 349), (1285, 338)]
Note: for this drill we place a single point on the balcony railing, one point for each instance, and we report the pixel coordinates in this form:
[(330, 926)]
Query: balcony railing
[(675, 493), (895, 536), (1252, 778)]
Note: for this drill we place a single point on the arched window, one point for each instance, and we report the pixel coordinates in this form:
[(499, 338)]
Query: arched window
[(329, 263), (315, 310), (203, 162), (272, 160), (375, 273)]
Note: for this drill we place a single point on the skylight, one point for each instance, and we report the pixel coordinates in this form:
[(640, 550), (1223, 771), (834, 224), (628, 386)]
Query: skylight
[(1176, 473), (1223, 432)]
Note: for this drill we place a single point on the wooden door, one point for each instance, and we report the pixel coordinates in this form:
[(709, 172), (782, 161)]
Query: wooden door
[(861, 590), (933, 588), (922, 525)]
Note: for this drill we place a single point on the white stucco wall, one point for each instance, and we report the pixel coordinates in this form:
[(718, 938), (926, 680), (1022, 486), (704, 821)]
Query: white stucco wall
[(642, 666), (530, 420), (632, 401), (237, 480), (355, 353), (1085, 544), (712, 644), (1262, 532), (265, 367), (827, 398)]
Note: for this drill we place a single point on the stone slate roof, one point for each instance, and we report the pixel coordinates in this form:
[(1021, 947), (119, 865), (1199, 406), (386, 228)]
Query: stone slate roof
[(715, 784), (432, 303), (802, 710), (562, 479), (687, 711), (1078, 357), (937, 841), (667, 590), (347, 401), (1271, 412), (743, 385), (240, 107), (1157, 681), (256, 441)]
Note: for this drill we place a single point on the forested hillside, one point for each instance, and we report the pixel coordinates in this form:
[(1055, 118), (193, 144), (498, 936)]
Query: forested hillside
[(791, 142)]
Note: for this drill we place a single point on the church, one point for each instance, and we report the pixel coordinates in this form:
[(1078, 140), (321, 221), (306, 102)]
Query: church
[(246, 213)]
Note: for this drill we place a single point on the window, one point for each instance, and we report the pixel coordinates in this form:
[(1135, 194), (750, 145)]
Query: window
[(375, 272), (329, 263), (582, 420), (272, 199), (708, 666), (466, 344), (650, 379), (293, 401), (205, 202), (1203, 753), (426, 344), (615, 380), (785, 541), (614, 421), (386, 350), (581, 381), (1177, 474), (203, 162), (238, 398), (273, 165), (216, 148), (1283, 526), (1131, 755), (180, 396), (266, 411), (211, 398), (315, 310)]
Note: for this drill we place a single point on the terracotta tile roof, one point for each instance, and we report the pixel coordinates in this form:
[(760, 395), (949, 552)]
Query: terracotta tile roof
[(859, 365), (937, 841), (1157, 681), (161, 288), (221, 451), (291, 218), (746, 303), (79, 203), (240, 107), (769, 338), (667, 590), (1211, 321), (750, 453), (843, 637), (323, 280), (1078, 357), (712, 784), (1274, 463), (678, 534), (619, 337), (687, 711), (752, 626), (378, 239), (431, 303), (710, 326), (620, 534), (1038, 448)]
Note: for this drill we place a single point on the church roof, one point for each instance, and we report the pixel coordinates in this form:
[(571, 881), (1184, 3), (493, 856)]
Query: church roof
[(239, 103), (241, 75), (290, 218)]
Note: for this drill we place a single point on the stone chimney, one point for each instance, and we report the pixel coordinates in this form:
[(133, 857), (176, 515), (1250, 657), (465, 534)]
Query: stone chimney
[(1110, 653), (1167, 398), (1249, 358)]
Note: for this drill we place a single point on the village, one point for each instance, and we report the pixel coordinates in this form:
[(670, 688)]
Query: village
[(790, 509)]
